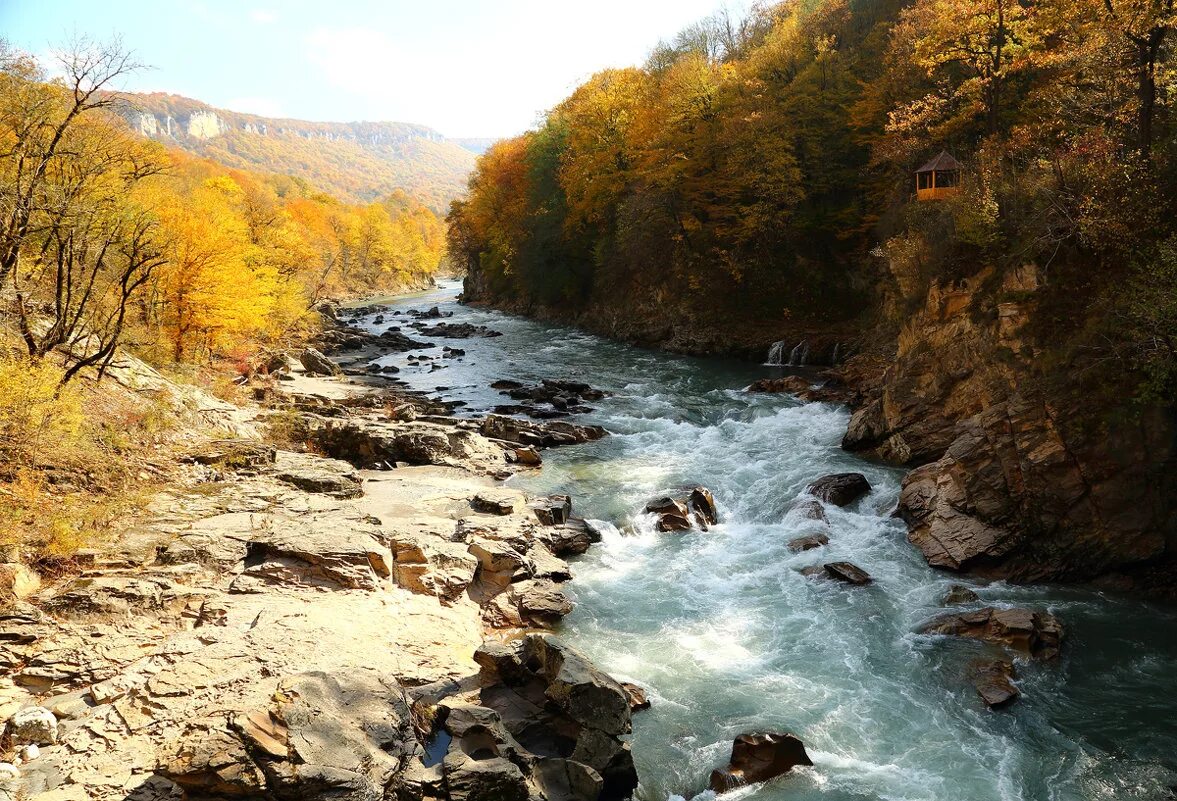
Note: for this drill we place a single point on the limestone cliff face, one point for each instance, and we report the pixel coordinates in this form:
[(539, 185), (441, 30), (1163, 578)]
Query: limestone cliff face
[(1004, 484)]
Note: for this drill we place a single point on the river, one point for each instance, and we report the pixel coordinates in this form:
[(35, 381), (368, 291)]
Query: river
[(727, 635)]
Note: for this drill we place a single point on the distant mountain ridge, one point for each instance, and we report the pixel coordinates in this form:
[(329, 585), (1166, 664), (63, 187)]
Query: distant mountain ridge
[(357, 161)]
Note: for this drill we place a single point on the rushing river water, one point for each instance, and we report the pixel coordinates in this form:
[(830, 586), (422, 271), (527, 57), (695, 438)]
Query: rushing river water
[(728, 637)]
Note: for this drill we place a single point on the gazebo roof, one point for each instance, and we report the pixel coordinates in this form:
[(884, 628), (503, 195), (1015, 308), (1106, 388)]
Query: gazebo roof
[(941, 163)]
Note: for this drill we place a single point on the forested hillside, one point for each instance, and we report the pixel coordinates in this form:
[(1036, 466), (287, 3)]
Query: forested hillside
[(358, 161), (765, 166), (110, 242), (755, 181)]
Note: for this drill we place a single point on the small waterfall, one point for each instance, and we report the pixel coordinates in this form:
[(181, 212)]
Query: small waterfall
[(776, 353), (834, 358), (799, 354)]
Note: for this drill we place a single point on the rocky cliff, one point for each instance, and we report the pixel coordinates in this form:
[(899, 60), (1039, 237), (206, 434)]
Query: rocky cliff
[(1017, 476)]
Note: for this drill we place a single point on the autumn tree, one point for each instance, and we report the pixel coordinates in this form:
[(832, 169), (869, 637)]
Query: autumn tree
[(75, 247), (1147, 26), (970, 50)]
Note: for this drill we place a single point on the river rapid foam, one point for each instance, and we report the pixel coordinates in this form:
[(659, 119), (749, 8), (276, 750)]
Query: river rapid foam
[(727, 635)]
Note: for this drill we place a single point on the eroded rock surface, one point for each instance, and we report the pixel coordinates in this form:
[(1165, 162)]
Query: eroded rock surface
[(758, 757), (261, 633), (559, 707), (1024, 631), (1015, 478)]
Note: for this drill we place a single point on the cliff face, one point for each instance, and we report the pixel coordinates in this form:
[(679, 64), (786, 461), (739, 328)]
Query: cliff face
[(1006, 482)]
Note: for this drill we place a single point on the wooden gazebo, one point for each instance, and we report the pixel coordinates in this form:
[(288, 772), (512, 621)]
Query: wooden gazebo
[(939, 178)]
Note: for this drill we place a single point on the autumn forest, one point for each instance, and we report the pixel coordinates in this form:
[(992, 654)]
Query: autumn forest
[(761, 169)]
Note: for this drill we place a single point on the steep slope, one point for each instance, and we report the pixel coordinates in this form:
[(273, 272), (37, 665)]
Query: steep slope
[(356, 161)]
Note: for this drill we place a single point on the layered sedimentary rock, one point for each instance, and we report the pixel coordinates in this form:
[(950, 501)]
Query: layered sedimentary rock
[(1014, 477)]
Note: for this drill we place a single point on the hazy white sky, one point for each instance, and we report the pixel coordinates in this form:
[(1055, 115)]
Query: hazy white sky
[(465, 67)]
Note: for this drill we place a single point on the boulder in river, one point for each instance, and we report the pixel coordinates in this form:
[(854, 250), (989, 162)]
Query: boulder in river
[(840, 489), (702, 503), (993, 679), (758, 757), (808, 543), (672, 514), (810, 510), (1035, 634), (695, 508), (541, 435), (959, 594), (847, 572)]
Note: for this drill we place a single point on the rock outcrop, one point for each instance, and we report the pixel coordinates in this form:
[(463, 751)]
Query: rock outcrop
[(567, 716), (279, 624), (1026, 632), (1016, 476), (759, 757)]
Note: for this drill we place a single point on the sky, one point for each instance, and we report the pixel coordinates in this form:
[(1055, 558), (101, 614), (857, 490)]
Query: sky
[(469, 68)]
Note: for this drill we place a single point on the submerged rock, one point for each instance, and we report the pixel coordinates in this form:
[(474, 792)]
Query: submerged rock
[(1035, 634), (840, 489), (758, 757)]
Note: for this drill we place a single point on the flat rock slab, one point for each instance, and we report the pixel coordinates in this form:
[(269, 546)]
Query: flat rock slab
[(315, 474), (496, 502)]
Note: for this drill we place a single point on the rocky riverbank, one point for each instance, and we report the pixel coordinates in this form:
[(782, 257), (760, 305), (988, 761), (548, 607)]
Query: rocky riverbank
[(346, 616)]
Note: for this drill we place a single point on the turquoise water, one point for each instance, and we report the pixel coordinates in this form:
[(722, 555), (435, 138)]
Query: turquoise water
[(728, 637)]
